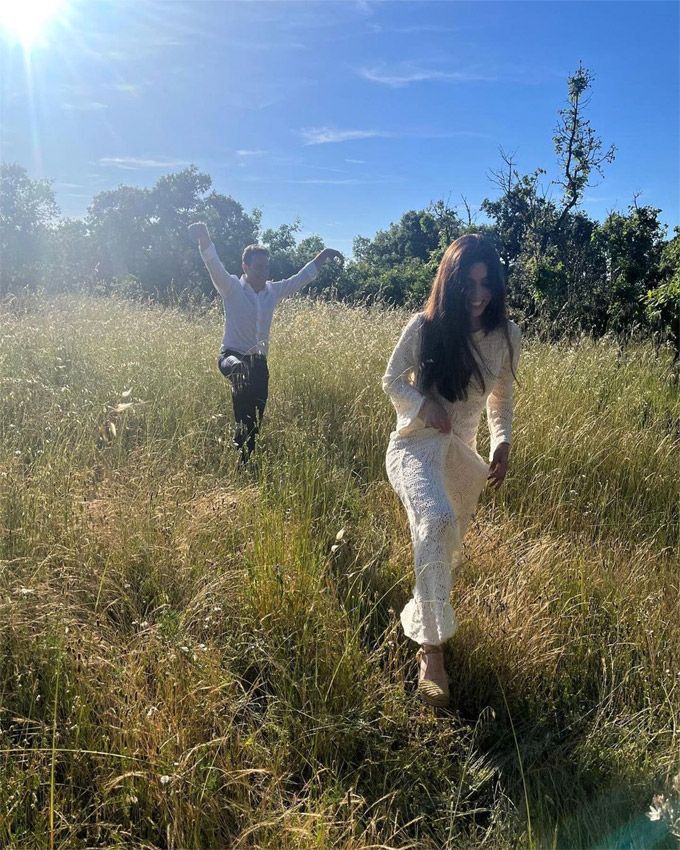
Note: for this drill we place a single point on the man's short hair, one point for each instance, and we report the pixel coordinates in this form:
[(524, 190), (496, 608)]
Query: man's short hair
[(252, 251)]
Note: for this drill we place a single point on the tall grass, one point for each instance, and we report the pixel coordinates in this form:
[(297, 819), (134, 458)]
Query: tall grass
[(196, 658)]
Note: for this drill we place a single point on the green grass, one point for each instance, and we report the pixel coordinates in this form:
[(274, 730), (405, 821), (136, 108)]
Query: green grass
[(193, 658)]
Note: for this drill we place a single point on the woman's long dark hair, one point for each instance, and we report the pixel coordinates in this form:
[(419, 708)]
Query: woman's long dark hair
[(447, 359)]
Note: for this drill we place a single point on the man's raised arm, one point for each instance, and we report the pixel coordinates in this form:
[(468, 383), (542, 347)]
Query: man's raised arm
[(291, 285), (222, 280)]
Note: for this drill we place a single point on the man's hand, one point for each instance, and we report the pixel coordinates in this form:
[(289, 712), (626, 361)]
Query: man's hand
[(328, 254), (499, 465), (434, 416), (199, 232)]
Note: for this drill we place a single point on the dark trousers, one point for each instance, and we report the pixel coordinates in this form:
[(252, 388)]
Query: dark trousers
[(249, 391)]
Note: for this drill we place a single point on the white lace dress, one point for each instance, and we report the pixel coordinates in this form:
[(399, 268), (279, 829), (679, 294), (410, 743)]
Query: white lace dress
[(439, 477)]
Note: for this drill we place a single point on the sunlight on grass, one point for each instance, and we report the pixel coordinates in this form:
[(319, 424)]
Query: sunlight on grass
[(195, 658)]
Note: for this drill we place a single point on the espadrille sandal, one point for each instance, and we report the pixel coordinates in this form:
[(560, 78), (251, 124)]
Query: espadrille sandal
[(433, 690)]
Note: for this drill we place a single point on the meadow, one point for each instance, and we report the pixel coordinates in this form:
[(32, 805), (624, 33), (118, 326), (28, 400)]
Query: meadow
[(193, 657)]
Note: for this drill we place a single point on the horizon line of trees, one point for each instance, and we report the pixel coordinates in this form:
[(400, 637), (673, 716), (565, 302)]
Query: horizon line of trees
[(566, 272)]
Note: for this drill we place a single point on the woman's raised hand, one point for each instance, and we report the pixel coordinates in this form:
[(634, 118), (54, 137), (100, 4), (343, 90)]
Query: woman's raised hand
[(434, 416)]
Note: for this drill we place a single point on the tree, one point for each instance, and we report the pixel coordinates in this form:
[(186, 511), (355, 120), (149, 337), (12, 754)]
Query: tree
[(415, 236), (281, 244), (584, 299), (522, 216), (448, 222), (143, 233), (72, 257), (662, 302), (119, 221), (632, 246), (547, 247), (579, 150), (28, 212), (173, 203), (520, 213), (327, 281)]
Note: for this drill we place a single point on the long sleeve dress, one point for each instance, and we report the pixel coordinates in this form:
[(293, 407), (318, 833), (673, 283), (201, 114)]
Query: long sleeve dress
[(439, 477)]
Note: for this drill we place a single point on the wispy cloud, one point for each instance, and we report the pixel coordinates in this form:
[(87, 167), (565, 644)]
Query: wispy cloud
[(323, 181), (363, 7), (331, 135), (164, 41), (411, 30), (598, 199), (257, 95), (114, 56), (131, 163), (271, 45), (246, 152), (373, 180), (331, 181), (133, 89), (86, 106), (404, 76), (328, 135), (356, 161), (446, 134), (84, 95)]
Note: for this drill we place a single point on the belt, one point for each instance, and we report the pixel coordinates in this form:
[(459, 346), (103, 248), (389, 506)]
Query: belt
[(233, 352)]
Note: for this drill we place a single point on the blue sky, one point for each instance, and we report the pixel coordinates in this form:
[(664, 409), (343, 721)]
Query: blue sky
[(341, 114)]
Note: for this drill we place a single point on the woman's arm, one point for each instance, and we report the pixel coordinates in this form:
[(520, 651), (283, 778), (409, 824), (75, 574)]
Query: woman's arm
[(399, 382), (399, 378), (499, 408)]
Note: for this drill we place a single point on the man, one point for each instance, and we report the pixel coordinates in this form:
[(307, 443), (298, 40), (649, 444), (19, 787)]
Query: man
[(249, 304)]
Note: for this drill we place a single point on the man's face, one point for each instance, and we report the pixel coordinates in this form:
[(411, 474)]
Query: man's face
[(257, 269)]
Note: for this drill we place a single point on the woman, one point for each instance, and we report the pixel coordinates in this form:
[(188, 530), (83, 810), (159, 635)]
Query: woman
[(457, 355)]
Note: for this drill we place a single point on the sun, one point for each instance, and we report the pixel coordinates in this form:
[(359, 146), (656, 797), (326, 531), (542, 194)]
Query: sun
[(25, 21)]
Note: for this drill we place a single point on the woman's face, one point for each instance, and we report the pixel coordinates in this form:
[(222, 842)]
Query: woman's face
[(478, 291)]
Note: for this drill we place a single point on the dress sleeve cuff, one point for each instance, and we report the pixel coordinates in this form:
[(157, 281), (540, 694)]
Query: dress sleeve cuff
[(496, 442)]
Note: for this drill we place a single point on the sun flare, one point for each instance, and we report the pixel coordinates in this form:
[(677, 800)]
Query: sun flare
[(25, 21)]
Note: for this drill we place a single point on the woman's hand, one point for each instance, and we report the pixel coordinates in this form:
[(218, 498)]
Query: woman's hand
[(499, 465), (434, 416)]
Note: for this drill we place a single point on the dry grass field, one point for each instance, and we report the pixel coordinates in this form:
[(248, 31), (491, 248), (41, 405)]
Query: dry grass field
[(196, 658)]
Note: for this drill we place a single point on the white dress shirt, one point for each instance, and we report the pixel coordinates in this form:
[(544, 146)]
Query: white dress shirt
[(248, 314)]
